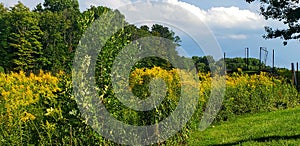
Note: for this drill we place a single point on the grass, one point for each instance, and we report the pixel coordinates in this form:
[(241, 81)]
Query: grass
[(281, 127)]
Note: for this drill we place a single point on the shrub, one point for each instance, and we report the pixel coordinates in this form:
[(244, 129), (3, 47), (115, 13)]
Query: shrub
[(21, 105), (2, 69), (40, 110), (256, 93)]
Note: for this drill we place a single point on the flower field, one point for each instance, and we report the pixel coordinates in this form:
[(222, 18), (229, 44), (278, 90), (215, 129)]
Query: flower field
[(40, 109)]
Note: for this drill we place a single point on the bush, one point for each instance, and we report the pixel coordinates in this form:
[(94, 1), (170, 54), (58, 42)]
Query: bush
[(40, 110), (22, 105), (256, 93), (2, 69)]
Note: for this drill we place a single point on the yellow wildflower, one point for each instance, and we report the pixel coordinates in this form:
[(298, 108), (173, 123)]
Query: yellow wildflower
[(27, 116)]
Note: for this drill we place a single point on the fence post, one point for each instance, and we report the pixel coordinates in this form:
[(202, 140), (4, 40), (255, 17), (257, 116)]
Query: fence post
[(294, 81), (273, 62), (225, 63), (297, 77), (260, 62)]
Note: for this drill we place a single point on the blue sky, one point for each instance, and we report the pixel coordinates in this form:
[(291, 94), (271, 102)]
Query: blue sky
[(234, 24)]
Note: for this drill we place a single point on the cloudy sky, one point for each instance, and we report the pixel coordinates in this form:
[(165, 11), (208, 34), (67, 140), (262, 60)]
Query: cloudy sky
[(232, 24)]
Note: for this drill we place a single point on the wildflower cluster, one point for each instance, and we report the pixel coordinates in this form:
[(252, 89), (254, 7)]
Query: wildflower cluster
[(255, 93), (22, 100), (140, 79), (19, 94), (244, 93), (42, 106)]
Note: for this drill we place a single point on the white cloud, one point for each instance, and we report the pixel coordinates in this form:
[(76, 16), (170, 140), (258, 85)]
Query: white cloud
[(177, 16), (237, 36), (219, 17), (193, 9), (215, 17), (114, 4), (230, 23), (233, 17), (224, 17)]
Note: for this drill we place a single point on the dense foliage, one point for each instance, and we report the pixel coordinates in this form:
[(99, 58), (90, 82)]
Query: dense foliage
[(40, 109), (37, 104), (286, 11), (206, 63), (47, 37)]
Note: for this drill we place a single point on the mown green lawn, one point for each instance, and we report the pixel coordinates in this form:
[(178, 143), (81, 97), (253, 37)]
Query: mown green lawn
[(281, 127)]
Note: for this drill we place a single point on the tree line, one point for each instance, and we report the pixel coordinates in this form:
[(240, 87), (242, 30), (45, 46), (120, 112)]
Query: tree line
[(47, 37)]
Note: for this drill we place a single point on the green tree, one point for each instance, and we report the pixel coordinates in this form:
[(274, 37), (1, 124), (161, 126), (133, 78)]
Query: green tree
[(2, 9), (55, 48), (165, 32), (204, 63), (4, 61), (60, 5), (286, 11), (87, 17), (162, 47), (60, 23), (22, 38)]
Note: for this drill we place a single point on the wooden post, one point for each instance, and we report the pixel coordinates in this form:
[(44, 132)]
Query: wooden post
[(247, 58), (293, 74), (297, 86), (273, 71), (260, 62), (273, 62), (225, 63), (196, 66)]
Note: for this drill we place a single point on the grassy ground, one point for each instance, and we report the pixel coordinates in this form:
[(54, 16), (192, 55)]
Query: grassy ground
[(271, 128)]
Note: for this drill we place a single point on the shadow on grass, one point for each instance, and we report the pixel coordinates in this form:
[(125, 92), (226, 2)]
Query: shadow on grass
[(261, 139)]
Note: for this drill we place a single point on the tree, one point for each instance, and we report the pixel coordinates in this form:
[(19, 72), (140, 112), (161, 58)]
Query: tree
[(24, 39), (20, 39), (3, 36), (204, 63), (60, 5), (286, 11), (165, 32), (2, 9), (60, 22), (87, 17), (47, 37), (55, 45)]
